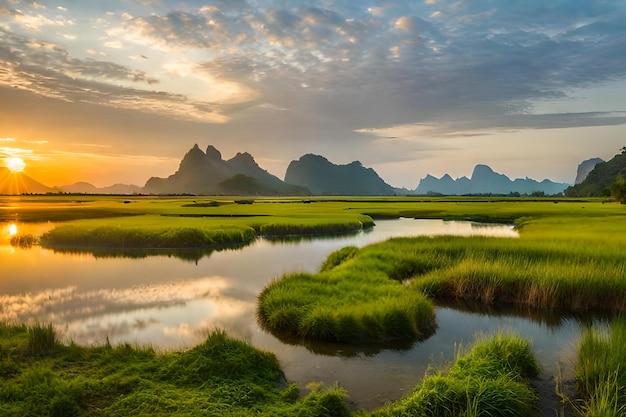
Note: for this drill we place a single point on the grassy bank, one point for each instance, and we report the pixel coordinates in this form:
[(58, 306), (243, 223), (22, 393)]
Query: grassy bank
[(491, 379), (219, 219), (601, 371), (220, 377), (226, 377)]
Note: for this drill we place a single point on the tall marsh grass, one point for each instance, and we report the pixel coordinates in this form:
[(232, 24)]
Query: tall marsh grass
[(363, 290), (336, 307), (601, 370), (129, 236), (42, 338), (490, 379)]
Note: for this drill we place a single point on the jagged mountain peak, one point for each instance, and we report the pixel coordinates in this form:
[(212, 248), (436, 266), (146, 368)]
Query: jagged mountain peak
[(243, 156), (207, 173), (213, 154), (485, 180)]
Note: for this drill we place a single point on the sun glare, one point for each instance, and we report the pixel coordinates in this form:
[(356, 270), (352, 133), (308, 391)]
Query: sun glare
[(12, 229), (16, 164)]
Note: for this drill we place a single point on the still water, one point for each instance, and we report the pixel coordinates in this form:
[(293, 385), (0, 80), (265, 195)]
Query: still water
[(170, 301)]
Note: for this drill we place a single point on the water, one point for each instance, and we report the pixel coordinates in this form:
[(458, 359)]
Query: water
[(170, 303)]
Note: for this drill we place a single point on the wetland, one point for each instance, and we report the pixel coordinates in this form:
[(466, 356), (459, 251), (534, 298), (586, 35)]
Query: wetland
[(173, 299)]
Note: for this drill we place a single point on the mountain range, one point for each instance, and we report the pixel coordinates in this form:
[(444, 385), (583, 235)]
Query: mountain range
[(485, 181), (206, 172)]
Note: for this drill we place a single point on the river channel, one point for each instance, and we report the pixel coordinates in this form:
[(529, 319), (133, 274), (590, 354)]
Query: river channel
[(170, 301)]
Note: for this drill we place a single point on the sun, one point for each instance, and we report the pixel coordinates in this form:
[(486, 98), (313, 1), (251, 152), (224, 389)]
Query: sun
[(16, 164)]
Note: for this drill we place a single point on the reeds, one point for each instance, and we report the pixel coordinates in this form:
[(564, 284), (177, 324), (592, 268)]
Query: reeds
[(42, 338), (138, 237), (601, 370), (491, 379)]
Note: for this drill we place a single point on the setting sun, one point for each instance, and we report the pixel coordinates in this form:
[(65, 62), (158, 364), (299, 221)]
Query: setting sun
[(15, 164)]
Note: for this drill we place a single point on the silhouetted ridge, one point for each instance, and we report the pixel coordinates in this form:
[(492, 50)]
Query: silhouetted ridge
[(323, 177), (485, 181), (207, 173)]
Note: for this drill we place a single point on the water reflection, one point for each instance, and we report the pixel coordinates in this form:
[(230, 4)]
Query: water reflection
[(171, 299), (174, 309), (191, 255), (550, 318), (349, 350)]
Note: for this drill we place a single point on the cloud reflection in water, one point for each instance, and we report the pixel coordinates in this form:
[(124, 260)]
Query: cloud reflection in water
[(174, 314)]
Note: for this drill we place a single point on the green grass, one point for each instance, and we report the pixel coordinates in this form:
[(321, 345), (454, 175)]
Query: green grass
[(223, 376), (491, 379), (281, 216), (376, 293), (148, 231), (601, 370), (347, 306), (220, 377)]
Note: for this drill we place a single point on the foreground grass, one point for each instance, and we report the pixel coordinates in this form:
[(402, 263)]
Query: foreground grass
[(220, 377), (225, 377), (601, 370), (491, 379)]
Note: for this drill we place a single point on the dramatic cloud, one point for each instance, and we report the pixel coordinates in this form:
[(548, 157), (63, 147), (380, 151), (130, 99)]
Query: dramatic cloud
[(344, 73)]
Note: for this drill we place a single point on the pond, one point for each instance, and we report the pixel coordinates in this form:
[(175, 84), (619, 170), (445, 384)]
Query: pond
[(170, 301)]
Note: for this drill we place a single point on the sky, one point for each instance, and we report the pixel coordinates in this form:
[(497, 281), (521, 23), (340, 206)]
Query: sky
[(118, 91)]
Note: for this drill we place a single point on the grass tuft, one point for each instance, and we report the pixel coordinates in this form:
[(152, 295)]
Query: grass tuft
[(601, 370), (491, 379), (42, 339)]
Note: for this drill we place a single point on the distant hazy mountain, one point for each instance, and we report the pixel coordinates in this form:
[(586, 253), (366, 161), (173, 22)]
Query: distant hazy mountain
[(207, 173), (597, 182), (585, 167), (323, 177), (87, 188), (485, 181), (20, 183)]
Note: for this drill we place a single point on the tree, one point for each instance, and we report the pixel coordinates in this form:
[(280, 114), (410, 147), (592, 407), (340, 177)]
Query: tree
[(618, 189)]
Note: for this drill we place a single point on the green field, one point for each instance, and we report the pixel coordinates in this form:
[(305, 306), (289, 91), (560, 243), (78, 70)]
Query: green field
[(570, 256)]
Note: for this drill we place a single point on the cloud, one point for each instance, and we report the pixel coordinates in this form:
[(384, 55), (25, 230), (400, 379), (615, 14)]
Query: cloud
[(488, 126), (380, 64), (114, 44), (48, 70)]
